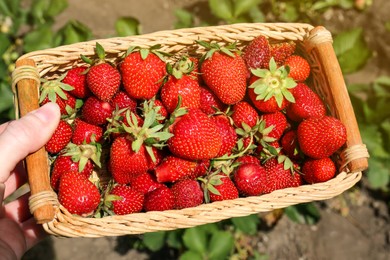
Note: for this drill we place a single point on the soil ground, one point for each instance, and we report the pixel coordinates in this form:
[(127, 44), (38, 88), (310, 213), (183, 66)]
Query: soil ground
[(355, 225)]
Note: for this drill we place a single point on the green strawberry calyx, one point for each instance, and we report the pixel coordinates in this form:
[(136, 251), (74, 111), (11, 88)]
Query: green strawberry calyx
[(53, 88), (213, 47), (84, 152), (182, 67), (144, 52), (273, 82)]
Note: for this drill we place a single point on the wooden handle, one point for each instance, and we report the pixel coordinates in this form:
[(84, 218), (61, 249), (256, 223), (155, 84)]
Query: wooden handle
[(36, 163), (338, 90)]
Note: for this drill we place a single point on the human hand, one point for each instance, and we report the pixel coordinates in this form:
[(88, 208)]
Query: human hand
[(18, 138)]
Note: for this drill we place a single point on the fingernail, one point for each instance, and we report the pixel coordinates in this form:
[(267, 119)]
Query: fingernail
[(47, 112)]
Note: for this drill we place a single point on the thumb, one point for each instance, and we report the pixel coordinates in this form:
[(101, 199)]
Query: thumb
[(26, 135)]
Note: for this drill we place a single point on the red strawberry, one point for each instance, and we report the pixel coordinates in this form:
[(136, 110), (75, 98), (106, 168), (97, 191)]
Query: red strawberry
[(249, 178), (278, 121), (174, 168), (299, 67), (159, 200), (85, 132), (226, 189), (131, 201), (66, 103), (77, 194), (209, 102), (123, 100), (186, 87), (161, 110), (187, 193), (243, 112), (195, 137), (102, 79), (318, 170), (270, 86), (126, 164), (145, 182), (257, 53), (77, 78), (281, 51), (307, 104), (60, 138), (278, 176), (248, 159), (289, 144), (225, 73), (96, 111), (64, 164), (142, 73), (268, 106), (228, 134), (320, 137), (201, 169)]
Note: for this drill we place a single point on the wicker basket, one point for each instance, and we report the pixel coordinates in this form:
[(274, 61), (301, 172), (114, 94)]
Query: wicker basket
[(315, 44)]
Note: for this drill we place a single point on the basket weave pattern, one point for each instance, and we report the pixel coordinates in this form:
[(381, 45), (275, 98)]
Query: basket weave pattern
[(310, 41)]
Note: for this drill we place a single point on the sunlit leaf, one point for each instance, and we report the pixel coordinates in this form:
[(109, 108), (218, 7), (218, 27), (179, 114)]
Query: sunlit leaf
[(126, 26)]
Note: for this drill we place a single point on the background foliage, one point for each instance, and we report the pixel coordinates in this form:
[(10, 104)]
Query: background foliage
[(28, 27)]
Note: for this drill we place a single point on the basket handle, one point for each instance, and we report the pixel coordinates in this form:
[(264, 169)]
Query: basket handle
[(37, 162), (320, 42)]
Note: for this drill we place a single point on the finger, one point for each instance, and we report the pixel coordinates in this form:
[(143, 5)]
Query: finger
[(32, 232), (14, 238), (17, 179), (3, 126), (26, 135), (18, 209)]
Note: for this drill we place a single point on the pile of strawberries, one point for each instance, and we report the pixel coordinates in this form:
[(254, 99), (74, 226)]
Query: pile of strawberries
[(150, 134)]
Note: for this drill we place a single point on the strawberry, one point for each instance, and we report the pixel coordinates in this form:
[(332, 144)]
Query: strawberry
[(130, 200), (58, 92), (307, 104), (281, 51), (201, 169), (173, 168), (272, 83), (209, 103), (102, 78), (143, 71), (318, 170), (159, 200), (123, 100), (161, 110), (224, 72), (277, 121), (187, 193), (96, 111), (268, 106), (243, 112), (225, 190), (195, 137), (299, 68), (289, 143), (257, 53), (228, 134), (186, 87), (249, 178), (279, 175), (125, 163), (60, 138), (64, 164), (145, 182), (77, 194), (248, 159), (77, 78), (320, 137), (85, 132)]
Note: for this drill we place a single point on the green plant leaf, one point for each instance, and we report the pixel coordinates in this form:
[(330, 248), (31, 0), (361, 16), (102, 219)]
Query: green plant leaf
[(6, 97), (351, 50), (42, 38), (378, 174), (221, 244), (191, 255), (126, 26), (154, 241), (247, 224), (184, 19), (5, 43), (373, 139), (243, 6), (173, 239), (56, 7), (290, 13), (195, 239), (12, 7), (222, 9), (256, 15), (38, 10), (72, 32), (306, 213)]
